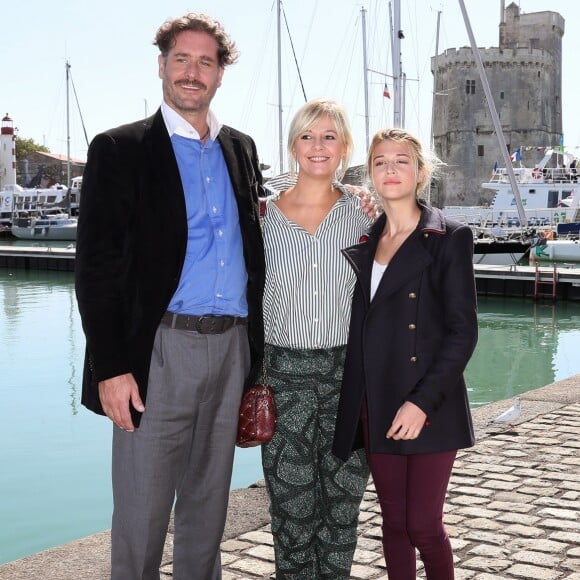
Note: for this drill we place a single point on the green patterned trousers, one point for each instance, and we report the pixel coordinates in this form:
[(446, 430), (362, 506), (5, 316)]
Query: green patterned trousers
[(314, 496)]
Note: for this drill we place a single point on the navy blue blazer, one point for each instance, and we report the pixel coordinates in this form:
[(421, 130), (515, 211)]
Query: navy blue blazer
[(131, 243), (413, 341)]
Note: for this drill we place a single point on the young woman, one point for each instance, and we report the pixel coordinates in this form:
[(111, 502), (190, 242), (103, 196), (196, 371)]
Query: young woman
[(413, 330), (314, 496)]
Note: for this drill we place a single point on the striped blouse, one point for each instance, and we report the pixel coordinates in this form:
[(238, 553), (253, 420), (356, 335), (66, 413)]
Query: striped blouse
[(309, 283)]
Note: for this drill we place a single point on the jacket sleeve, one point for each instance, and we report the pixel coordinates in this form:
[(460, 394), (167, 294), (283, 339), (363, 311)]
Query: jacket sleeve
[(255, 262), (104, 257), (459, 314)]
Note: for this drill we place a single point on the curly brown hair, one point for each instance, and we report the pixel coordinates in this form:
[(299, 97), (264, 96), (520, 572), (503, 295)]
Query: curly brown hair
[(196, 22)]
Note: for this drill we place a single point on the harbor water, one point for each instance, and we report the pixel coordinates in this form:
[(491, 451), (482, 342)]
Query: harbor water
[(55, 455)]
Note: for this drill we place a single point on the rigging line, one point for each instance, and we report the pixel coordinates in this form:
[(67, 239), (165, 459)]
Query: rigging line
[(350, 44), (78, 107), (294, 53), (306, 48), (379, 53), (258, 74)]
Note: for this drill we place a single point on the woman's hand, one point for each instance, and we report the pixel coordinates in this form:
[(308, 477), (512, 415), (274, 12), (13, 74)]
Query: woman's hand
[(408, 422), (367, 202)]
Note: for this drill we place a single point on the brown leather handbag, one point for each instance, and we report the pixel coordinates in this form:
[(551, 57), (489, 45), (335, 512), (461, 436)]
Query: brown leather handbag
[(257, 419)]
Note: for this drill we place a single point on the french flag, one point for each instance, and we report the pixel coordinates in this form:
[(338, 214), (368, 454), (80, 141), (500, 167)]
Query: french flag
[(386, 92)]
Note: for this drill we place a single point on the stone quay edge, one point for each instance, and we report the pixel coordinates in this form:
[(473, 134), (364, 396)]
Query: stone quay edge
[(512, 509)]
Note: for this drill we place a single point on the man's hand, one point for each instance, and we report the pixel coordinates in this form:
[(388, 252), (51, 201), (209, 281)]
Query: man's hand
[(408, 422), (116, 394)]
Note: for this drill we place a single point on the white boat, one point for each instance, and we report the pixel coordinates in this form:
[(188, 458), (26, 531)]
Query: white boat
[(51, 225), (550, 194), (18, 203), (15, 199)]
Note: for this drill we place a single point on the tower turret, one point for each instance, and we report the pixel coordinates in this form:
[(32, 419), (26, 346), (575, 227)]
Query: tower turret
[(524, 74)]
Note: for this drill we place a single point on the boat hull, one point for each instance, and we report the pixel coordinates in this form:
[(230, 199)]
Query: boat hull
[(557, 251), (68, 232)]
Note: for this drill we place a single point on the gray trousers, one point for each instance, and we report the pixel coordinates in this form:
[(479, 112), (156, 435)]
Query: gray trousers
[(182, 452)]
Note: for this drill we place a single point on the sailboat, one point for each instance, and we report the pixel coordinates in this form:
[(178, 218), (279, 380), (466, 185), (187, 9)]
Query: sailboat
[(49, 214)]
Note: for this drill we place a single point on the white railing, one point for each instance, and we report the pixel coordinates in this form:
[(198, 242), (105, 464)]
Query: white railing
[(487, 217), (536, 175)]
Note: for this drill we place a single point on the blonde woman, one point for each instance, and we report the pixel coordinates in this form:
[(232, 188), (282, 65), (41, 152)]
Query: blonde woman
[(314, 496), (413, 330)]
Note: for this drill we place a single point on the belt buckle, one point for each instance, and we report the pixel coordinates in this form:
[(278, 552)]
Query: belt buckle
[(205, 324), (199, 324)]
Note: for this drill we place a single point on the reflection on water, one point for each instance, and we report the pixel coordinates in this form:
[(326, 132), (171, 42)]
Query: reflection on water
[(522, 345), (55, 455)]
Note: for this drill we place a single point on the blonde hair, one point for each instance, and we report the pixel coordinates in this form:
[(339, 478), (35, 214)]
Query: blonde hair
[(427, 164), (309, 114)]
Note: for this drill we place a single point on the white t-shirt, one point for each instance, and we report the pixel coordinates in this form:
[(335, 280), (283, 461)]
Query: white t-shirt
[(377, 274)]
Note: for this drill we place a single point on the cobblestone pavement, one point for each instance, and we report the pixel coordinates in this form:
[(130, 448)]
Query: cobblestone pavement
[(512, 510)]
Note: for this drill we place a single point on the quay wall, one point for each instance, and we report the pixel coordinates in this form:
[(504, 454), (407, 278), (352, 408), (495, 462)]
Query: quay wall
[(511, 511), (492, 280)]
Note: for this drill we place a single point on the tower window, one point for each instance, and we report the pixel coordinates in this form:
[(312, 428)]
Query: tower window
[(470, 87), (480, 150), (501, 95)]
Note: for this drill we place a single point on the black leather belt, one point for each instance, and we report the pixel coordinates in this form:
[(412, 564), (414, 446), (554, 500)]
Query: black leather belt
[(208, 324)]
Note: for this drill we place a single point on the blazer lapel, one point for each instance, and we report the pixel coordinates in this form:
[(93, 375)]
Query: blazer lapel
[(408, 263), (362, 255), (233, 155), (242, 176), (160, 159), (413, 256)]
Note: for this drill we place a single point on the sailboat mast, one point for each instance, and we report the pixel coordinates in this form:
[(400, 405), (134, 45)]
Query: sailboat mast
[(365, 73), (280, 136), (434, 99), (494, 117), (67, 67), (397, 65), (433, 108)]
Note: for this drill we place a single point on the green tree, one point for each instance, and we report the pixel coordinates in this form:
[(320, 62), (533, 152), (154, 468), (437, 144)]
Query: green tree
[(25, 147)]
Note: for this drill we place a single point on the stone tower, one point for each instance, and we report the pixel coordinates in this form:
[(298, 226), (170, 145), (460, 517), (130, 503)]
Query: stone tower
[(525, 78)]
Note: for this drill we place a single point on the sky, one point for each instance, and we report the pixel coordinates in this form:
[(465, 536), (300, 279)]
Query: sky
[(115, 75)]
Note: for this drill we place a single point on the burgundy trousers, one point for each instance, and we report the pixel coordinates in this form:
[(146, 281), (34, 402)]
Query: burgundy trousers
[(411, 491)]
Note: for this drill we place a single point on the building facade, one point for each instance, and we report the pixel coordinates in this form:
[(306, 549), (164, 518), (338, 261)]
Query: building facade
[(40, 169), (525, 78)]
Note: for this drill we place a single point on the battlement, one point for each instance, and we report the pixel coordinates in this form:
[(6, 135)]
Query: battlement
[(504, 56)]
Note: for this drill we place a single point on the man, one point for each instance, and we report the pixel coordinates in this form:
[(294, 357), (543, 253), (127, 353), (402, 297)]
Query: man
[(169, 281)]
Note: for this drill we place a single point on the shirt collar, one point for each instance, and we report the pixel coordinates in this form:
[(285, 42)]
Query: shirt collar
[(177, 125)]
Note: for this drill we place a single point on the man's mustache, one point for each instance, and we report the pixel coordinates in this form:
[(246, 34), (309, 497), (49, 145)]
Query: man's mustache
[(193, 84)]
